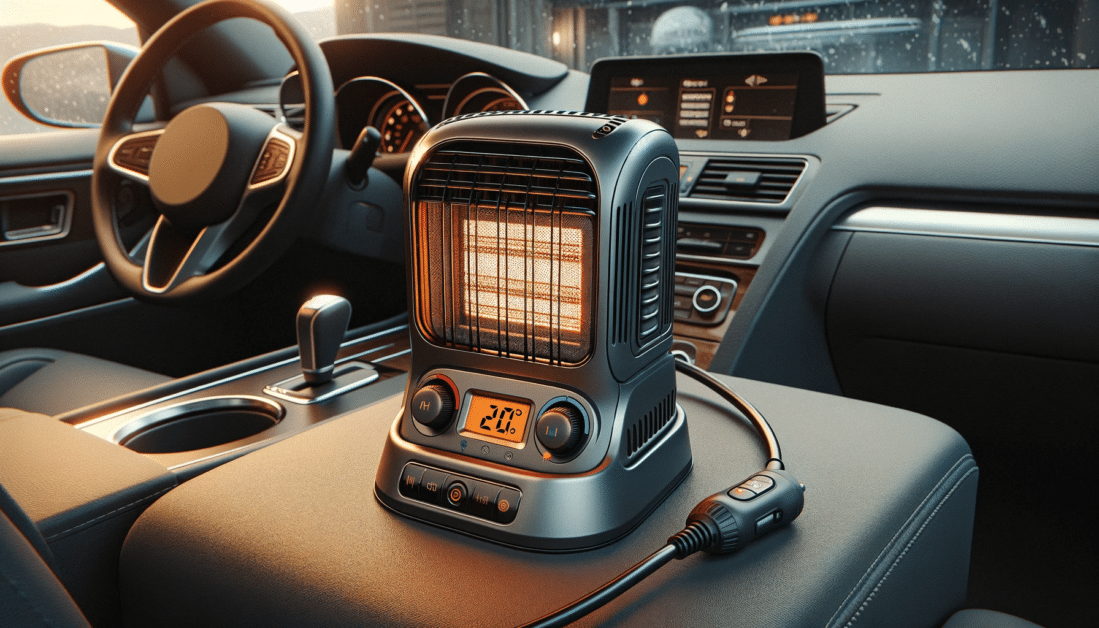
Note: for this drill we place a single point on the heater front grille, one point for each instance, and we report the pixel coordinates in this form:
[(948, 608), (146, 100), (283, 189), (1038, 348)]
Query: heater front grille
[(504, 252)]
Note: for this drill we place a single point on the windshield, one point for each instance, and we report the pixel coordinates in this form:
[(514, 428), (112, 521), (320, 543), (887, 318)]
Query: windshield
[(852, 36)]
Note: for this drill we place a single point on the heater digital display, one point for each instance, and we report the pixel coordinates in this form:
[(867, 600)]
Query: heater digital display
[(497, 417)]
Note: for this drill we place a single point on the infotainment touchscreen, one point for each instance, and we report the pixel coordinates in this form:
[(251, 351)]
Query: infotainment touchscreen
[(725, 97)]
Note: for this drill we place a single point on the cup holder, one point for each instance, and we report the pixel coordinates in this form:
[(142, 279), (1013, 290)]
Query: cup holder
[(199, 424)]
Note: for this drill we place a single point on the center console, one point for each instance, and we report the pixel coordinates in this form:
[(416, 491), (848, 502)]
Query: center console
[(292, 534)]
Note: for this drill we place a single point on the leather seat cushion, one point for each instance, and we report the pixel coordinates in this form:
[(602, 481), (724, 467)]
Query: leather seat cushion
[(982, 618)]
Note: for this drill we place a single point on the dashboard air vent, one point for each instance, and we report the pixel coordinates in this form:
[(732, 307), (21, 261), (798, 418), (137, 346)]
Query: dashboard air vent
[(748, 179)]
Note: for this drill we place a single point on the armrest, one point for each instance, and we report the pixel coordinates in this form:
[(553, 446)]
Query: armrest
[(83, 494)]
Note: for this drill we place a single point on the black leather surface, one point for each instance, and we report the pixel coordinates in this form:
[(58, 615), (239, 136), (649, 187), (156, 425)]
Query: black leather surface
[(83, 494), (981, 618), (49, 381), (292, 534), (30, 594)]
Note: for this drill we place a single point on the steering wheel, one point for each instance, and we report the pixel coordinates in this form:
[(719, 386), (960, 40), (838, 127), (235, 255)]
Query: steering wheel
[(213, 170)]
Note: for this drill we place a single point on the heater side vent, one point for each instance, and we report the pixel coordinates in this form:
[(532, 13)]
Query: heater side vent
[(653, 314), (648, 426), (620, 321)]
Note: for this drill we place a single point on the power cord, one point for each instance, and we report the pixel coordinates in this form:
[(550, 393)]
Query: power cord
[(720, 524)]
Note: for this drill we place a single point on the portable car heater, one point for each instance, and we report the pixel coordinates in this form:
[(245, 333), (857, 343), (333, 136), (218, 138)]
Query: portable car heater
[(541, 404)]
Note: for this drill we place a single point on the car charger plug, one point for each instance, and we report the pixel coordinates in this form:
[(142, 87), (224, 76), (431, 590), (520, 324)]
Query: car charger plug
[(727, 521)]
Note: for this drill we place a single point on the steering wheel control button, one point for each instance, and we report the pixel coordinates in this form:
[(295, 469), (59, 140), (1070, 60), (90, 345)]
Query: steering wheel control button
[(507, 504), (136, 153), (559, 429), (433, 405), (272, 163), (456, 494), (742, 494), (410, 480), (759, 484), (707, 299)]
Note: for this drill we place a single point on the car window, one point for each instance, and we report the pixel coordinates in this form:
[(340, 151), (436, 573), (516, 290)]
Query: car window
[(853, 36), (27, 25)]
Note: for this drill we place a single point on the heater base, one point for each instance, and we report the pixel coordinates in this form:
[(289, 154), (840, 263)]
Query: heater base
[(527, 510)]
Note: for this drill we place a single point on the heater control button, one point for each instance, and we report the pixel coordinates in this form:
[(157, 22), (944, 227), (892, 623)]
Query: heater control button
[(410, 480), (559, 429), (456, 494), (433, 405), (507, 503), (431, 486)]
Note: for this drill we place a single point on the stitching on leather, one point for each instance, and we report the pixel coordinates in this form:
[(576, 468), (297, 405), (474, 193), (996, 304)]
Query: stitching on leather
[(54, 537), (900, 532), (26, 600), (908, 546)]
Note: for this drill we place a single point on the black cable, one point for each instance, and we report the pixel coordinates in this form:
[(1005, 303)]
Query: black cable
[(607, 592), (716, 525), (774, 453)]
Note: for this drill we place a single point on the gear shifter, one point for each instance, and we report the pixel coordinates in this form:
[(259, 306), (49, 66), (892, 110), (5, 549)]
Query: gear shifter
[(321, 323)]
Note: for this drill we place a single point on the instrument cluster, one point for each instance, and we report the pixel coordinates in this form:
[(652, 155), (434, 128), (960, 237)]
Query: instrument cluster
[(403, 116)]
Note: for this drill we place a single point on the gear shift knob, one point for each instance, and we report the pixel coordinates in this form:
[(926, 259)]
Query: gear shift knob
[(321, 324)]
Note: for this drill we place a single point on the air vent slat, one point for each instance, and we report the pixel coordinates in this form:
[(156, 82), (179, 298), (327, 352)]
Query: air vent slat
[(777, 178)]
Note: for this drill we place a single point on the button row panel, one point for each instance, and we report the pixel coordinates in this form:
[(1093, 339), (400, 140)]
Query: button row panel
[(702, 300), (462, 493), (718, 241)]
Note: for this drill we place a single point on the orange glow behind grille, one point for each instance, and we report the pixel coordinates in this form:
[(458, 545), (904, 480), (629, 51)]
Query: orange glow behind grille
[(518, 272)]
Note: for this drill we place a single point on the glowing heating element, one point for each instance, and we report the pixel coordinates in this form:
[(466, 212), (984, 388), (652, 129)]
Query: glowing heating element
[(520, 281), (517, 281)]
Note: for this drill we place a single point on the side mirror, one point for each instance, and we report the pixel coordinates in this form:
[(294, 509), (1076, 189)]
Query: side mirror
[(66, 86)]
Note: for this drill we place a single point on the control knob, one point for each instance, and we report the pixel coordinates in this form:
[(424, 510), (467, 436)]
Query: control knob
[(560, 429), (433, 405)]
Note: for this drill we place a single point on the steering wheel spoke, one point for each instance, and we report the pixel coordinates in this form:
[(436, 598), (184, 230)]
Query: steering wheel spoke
[(233, 188), (130, 155), (274, 161)]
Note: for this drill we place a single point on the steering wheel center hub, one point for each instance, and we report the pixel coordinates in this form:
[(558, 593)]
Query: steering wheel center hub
[(203, 161)]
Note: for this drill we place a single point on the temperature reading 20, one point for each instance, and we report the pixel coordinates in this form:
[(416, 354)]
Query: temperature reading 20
[(503, 417), (497, 417)]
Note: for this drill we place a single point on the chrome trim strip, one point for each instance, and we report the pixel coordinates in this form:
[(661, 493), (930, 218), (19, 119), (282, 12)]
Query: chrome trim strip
[(42, 178), (212, 456), (175, 411), (243, 375), (279, 390), (498, 86), (974, 225)]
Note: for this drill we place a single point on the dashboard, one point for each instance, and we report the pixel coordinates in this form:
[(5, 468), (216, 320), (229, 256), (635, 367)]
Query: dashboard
[(891, 248), (402, 116)]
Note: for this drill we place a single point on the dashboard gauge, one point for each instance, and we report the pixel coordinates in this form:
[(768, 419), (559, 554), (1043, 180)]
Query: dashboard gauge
[(477, 92), (384, 105), (507, 103), (400, 123)]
